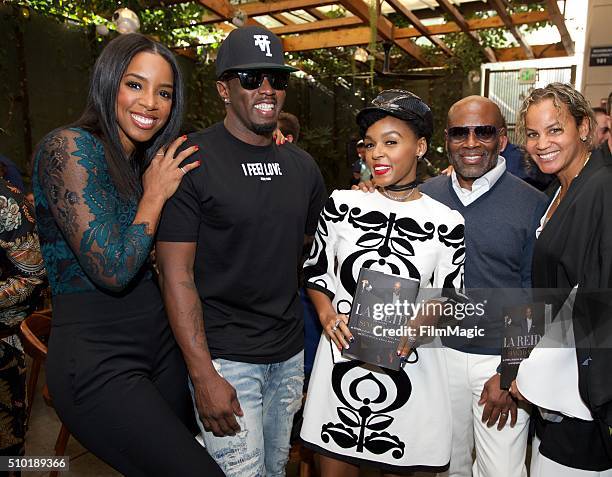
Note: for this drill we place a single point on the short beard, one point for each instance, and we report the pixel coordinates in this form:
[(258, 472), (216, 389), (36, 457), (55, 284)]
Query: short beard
[(470, 172), (264, 129)]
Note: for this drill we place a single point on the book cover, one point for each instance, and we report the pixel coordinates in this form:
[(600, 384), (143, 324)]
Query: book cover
[(379, 316), (524, 327)]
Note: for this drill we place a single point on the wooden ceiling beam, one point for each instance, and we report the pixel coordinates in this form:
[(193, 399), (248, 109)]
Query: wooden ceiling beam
[(254, 9), (466, 9), (360, 9), (220, 8), (327, 39), (317, 14), (500, 8), (282, 18), (460, 20), (477, 24), (348, 38), (330, 23), (385, 29), (553, 50), (557, 19), (411, 32), (399, 7), (361, 35), (227, 28)]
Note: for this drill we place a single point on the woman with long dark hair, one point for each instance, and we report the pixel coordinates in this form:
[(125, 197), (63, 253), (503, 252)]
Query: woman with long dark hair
[(114, 371)]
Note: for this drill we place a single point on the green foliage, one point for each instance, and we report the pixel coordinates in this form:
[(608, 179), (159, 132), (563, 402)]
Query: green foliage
[(337, 82), (374, 12), (7, 23), (173, 25), (85, 12), (325, 62), (336, 12), (317, 141), (467, 54), (204, 107), (328, 148)]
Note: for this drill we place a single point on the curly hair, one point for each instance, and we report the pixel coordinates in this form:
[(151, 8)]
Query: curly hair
[(561, 94)]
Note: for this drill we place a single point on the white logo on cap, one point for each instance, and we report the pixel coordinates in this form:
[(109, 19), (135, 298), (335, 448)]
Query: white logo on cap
[(263, 43)]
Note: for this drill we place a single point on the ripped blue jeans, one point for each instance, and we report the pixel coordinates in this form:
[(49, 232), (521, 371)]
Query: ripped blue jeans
[(270, 395)]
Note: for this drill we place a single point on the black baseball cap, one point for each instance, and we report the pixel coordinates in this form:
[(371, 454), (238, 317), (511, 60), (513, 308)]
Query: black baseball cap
[(401, 104), (251, 48)]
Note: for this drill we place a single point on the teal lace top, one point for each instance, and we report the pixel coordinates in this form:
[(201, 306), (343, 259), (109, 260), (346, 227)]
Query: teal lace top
[(86, 233)]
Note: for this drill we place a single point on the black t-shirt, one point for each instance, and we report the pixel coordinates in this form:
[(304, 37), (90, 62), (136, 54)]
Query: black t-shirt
[(248, 208)]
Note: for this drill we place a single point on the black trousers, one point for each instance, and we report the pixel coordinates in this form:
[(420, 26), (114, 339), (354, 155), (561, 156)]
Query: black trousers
[(118, 381)]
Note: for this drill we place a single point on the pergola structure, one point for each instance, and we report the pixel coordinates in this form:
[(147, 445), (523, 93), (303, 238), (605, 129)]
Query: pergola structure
[(304, 25)]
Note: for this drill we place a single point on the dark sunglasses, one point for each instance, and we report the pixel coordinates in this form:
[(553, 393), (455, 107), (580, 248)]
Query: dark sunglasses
[(254, 79), (483, 133)]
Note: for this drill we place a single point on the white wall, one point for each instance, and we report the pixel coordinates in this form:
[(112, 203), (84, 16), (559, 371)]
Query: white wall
[(597, 80)]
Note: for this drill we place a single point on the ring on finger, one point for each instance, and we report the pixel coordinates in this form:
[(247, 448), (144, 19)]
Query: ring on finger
[(183, 170), (160, 153), (504, 414)]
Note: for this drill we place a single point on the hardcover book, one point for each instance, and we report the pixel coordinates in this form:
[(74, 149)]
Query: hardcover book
[(524, 327), (380, 317)]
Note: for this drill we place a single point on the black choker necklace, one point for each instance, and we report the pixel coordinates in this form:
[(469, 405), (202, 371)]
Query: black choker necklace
[(400, 188)]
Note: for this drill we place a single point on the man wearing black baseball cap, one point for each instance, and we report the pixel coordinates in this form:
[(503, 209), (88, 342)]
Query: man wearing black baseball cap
[(228, 249)]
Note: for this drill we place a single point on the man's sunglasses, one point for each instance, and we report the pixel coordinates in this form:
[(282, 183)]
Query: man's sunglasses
[(254, 79), (486, 133)]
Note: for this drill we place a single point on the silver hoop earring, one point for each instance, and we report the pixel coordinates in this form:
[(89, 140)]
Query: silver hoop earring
[(583, 138), (226, 100)]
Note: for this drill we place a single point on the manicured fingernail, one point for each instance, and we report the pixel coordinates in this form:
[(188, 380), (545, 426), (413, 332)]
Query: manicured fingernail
[(197, 148), (183, 137), (198, 162)]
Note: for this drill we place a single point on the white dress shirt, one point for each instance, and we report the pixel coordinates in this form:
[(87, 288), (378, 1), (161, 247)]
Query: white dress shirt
[(482, 185)]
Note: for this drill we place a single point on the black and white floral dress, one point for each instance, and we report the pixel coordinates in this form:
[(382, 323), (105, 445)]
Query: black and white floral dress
[(361, 413)]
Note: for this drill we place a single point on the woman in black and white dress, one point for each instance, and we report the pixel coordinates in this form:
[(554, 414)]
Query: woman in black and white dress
[(356, 413)]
